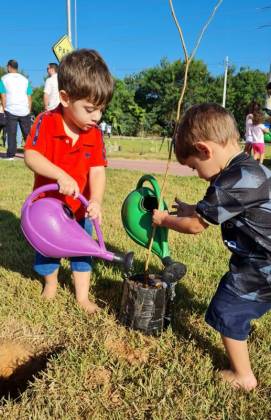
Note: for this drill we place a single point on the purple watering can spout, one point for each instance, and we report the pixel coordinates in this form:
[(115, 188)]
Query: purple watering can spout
[(50, 227)]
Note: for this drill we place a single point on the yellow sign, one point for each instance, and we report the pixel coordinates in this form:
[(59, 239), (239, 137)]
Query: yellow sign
[(62, 47)]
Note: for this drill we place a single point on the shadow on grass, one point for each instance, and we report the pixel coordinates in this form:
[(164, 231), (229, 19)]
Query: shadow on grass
[(15, 254), (183, 327), (267, 162), (109, 292), (21, 379)]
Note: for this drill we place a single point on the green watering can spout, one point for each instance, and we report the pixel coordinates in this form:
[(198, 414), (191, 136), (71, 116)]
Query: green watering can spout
[(136, 214)]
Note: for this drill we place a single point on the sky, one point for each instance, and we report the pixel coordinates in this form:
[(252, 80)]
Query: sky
[(133, 35)]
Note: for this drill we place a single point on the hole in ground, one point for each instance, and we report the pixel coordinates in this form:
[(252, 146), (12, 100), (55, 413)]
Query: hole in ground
[(12, 387)]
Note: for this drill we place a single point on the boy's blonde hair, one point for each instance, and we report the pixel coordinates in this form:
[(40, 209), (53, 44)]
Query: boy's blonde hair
[(204, 122), (83, 74)]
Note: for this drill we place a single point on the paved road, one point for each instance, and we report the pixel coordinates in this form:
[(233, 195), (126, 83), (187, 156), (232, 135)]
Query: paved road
[(153, 166), (146, 166)]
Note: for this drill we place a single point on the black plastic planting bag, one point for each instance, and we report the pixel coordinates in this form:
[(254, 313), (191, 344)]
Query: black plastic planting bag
[(146, 307)]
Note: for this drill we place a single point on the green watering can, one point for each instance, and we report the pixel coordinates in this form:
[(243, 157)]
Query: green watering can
[(267, 137), (136, 214)]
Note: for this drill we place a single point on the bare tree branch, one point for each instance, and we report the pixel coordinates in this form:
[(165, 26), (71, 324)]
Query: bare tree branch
[(204, 29), (179, 29), (187, 60)]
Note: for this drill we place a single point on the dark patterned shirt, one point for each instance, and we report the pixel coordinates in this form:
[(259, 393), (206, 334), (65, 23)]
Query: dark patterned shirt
[(239, 199)]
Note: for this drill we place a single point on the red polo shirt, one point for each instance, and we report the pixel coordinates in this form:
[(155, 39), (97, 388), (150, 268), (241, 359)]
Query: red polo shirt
[(48, 137)]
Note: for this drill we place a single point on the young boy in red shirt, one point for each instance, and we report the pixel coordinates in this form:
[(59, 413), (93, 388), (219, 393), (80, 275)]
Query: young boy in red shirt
[(66, 146)]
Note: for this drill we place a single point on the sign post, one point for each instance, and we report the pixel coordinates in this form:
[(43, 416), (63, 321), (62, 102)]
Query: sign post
[(62, 47)]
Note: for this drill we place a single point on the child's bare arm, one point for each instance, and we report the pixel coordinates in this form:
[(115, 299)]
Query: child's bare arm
[(192, 224), (42, 166), (97, 186), (3, 100)]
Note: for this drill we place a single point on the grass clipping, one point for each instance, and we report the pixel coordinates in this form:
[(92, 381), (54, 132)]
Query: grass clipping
[(12, 356)]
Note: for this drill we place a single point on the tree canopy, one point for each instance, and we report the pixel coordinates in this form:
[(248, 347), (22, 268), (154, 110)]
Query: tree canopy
[(145, 103)]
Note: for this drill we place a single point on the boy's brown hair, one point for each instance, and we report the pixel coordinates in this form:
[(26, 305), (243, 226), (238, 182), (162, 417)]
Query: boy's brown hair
[(83, 74), (204, 122)]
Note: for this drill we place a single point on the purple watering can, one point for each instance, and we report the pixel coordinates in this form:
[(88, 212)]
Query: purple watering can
[(50, 227)]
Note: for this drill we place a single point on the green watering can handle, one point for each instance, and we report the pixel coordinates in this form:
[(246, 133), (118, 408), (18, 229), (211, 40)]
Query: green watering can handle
[(153, 183)]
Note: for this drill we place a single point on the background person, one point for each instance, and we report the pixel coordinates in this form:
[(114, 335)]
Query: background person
[(16, 94), (103, 127), (267, 105), (252, 107), (239, 199), (257, 131), (2, 124), (108, 130), (51, 95)]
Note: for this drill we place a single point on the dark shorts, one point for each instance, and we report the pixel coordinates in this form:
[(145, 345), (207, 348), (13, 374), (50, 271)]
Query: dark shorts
[(231, 315), (45, 266)]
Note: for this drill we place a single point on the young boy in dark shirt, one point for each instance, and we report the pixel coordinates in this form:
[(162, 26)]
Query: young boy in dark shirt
[(239, 199)]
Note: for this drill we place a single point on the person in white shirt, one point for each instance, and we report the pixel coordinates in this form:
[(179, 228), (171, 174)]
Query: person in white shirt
[(108, 130), (103, 127), (16, 92), (257, 131), (51, 95)]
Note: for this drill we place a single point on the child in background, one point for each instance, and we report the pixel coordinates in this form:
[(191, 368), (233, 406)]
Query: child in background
[(65, 146), (257, 132), (267, 106), (252, 107), (238, 199)]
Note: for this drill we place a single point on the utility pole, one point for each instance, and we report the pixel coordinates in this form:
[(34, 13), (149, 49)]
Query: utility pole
[(75, 25), (225, 81), (69, 20)]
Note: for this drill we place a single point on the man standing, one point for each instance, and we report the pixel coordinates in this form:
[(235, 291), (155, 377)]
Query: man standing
[(103, 127), (16, 98), (51, 96)]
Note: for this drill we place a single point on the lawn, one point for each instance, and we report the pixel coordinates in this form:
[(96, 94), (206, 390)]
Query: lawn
[(137, 148), (91, 367)]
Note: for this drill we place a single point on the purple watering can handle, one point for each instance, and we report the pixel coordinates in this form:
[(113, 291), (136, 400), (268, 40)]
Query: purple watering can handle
[(84, 201)]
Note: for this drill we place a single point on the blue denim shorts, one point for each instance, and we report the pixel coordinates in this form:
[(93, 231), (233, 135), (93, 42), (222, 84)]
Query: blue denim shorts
[(46, 265), (231, 315)]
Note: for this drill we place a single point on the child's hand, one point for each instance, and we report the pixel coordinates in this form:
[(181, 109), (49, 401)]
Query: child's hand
[(182, 209), (158, 217), (94, 211), (68, 185)]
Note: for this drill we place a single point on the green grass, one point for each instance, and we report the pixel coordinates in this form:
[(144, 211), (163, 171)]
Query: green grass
[(137, 148), (141, 148), (94, 368)]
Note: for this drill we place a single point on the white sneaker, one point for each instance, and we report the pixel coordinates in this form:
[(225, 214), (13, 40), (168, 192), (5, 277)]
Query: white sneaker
[(7, 158)]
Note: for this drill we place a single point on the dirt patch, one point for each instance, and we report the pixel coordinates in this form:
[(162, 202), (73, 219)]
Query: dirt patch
[(122, 350), (13, 355), (97, 376)]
